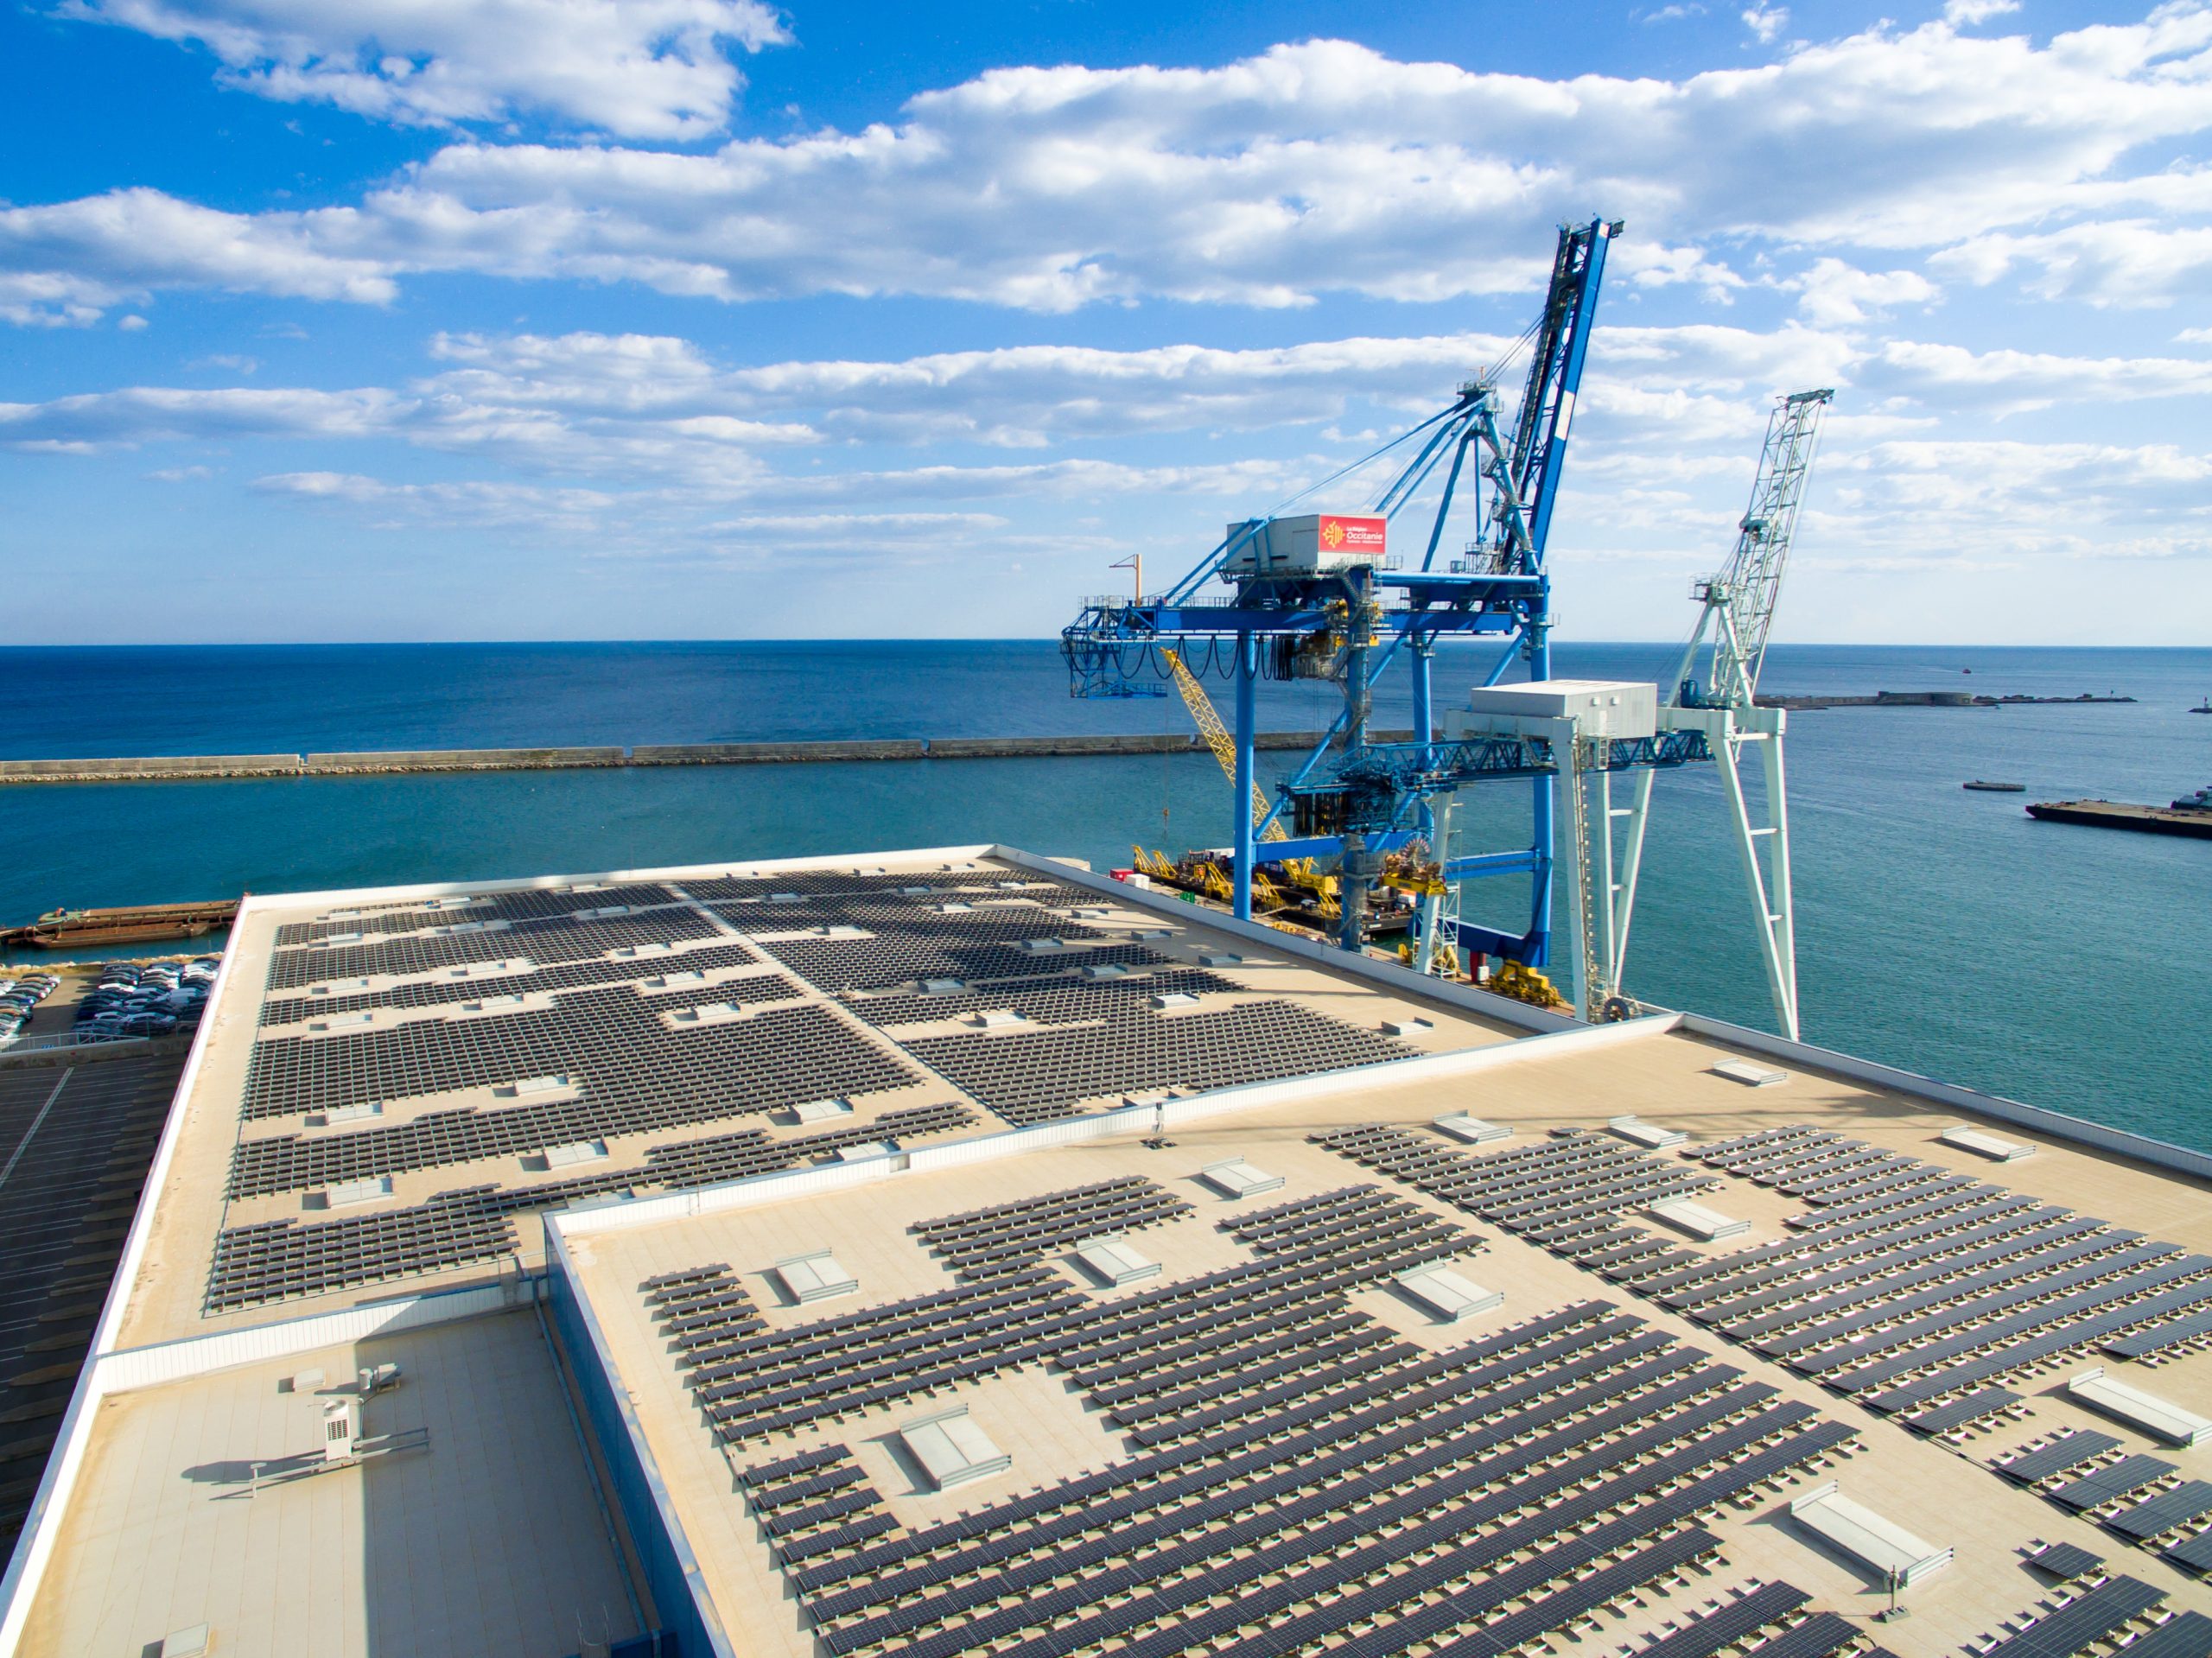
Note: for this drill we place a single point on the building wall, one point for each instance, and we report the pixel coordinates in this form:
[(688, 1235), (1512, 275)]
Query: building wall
[(671, 1570)]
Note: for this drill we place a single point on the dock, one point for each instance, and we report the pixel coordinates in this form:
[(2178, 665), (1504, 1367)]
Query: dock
[(176, 768)]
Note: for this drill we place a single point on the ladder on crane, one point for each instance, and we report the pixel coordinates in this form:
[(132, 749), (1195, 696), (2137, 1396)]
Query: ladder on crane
[(1735, 616)]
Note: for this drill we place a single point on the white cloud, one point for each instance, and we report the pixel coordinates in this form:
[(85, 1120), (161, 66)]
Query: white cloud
[(1968, 13), (70, 260), (2013, 382), (1310, 169), (2123, 263), (638, 68), (1833, 295), (1766, 22), (478, 505)]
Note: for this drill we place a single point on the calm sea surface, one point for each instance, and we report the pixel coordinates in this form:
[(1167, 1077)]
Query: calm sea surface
[(1938, 929)]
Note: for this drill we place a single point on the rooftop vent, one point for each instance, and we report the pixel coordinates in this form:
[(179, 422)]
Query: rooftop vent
[(1893, 1554), (952, 1450), (820, 1111), (1167, 999), (817, 1277), (1113, 1263), (338, 987), (357, 1192), (1104, 970), (943, 987), (1445, 1295), (1648, 1135), (1234, 1178), (1472, 1130), (359, 1111), (1981, 1145), (1696, 1221), (1751, 1076), (580, 1151), (1406, 1026)]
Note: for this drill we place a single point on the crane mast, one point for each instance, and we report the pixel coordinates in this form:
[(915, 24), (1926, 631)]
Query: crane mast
[(1331, 610), (1735, 617)]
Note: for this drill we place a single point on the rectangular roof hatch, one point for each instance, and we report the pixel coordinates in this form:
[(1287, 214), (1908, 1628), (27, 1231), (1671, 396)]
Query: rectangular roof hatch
[(952, 1450), (817, 1277)]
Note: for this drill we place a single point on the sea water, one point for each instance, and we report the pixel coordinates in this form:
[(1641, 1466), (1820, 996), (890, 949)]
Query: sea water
[(1939, 930)]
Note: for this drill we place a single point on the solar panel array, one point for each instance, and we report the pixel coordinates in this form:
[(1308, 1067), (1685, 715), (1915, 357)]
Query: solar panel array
[(416, 994), (412, 915), (625, 1069), (1295, 1470), (273, 1261), (1034, 1076), (987, 1243), (1910, 1287), (1048, 999), (555, 939)]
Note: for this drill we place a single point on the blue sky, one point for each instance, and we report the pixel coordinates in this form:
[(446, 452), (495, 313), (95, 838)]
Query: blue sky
[(515, 319)]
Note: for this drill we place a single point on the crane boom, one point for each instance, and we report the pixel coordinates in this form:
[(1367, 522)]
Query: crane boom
[(1739, 602), (1736, 612), (1208, 720)]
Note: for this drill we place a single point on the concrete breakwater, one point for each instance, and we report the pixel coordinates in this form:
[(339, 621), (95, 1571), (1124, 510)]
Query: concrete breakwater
[(170, 768), (1799, 704)]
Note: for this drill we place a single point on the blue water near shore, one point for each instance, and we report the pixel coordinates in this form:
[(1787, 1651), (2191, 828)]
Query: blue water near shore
[(1939, 930)]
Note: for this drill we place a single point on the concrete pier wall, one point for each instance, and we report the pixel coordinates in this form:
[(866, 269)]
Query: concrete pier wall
[(179, 767)]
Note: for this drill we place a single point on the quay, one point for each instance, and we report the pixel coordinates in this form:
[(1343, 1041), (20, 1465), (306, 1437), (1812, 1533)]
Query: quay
[(171, 768)]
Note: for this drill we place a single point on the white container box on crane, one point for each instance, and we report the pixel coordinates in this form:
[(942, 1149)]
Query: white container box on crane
[(1600, 708), (1310, 544)]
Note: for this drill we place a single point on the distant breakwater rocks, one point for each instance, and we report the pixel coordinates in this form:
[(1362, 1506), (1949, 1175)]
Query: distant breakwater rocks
[(172, 768)]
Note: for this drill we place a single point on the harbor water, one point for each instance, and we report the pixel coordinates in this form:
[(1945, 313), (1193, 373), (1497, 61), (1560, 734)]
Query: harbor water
[(1939, 928)]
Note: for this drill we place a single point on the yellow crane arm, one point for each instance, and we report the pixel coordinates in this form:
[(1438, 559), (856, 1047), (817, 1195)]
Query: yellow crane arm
[(1217, 738)]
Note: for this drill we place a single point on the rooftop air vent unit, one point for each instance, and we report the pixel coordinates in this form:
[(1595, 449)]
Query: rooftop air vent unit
[(952, 1450), (817, 1277), (1234, 1177)]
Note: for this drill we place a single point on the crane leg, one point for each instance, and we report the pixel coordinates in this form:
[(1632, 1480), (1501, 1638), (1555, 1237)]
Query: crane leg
[(1241, 898), (1771, 904), (1623, 908)]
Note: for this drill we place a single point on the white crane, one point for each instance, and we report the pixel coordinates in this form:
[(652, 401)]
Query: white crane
[(1736, 612)]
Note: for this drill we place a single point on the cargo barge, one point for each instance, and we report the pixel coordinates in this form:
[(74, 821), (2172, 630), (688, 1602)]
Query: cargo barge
[(137, 923), (2190, 815)]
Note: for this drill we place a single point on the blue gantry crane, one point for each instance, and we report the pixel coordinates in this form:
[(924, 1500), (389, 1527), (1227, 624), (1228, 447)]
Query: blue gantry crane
[(1319, 595)]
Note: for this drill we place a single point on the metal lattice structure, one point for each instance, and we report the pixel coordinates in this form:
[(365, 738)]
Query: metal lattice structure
[(1354, 800), (1735, 618)]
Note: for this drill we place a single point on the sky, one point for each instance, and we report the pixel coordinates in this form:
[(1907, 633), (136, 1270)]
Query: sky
[(676, 319)]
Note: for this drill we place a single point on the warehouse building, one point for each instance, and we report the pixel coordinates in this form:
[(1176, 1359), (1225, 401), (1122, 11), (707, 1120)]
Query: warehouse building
[(954, 1251)]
